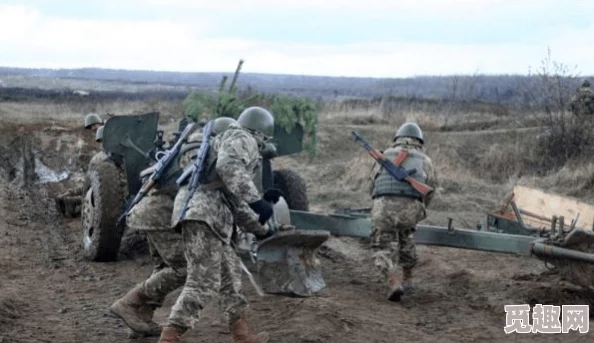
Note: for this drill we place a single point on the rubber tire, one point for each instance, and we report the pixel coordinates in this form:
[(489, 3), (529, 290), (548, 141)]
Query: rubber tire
[(293, 188), (102, 206)]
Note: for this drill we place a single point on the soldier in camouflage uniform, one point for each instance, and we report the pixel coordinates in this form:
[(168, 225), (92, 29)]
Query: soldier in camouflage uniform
[(228, 196), (69, 202), (397, 208), (152, 215), (582, 103)]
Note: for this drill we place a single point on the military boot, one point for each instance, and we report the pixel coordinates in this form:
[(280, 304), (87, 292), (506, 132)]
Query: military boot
[(136, 313), (407, 284), (395, 287), (240, 333), (170, 334)]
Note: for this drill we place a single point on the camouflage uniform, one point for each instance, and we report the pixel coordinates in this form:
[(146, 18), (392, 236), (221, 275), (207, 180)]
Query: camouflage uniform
[(70, 202), (213, 265), (582, 103), (394, 218), (208, 227), (72, 198), (152, 217)]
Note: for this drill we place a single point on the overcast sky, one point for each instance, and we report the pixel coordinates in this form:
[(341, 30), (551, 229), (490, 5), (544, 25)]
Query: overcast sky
[(377, 38)]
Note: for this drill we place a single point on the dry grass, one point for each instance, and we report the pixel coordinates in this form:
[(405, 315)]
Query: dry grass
[(428, 121), (72, 114), (478, 156), (574, 179)]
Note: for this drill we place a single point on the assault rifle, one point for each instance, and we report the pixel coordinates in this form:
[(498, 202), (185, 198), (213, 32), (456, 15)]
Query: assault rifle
[(164, 160), (196, 169), (394, 168)]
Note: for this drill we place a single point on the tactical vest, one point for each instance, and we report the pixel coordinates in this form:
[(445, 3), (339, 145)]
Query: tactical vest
[(386, 184)]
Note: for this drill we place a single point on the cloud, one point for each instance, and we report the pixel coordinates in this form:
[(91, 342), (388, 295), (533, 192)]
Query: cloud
[(184, 35), (49, 40)]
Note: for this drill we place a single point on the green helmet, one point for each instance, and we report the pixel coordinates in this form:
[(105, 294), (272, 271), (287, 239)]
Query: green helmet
[(99, 134), (221, 124), (257, 119), (91, 119), (411, 130)]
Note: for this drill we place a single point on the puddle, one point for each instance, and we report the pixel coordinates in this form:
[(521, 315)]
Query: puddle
[(46, 175)]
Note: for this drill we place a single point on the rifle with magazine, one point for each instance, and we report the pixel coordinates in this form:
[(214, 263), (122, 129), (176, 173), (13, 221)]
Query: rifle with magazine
[(394, 168), (164, 161)]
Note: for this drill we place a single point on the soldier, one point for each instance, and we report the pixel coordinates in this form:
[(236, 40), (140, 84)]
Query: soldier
[(152, 216), (228, 196), (397, 208), (582, 103), (69, 202), (93, 122)]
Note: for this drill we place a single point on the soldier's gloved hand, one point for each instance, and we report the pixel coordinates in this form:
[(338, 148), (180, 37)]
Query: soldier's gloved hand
[(268, 151), (263, 208), (272, 195), (268, 233)]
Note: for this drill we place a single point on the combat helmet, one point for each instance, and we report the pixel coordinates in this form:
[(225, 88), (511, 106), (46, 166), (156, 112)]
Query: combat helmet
[(586, 83), (410, 129), (257, 119), (99, 134), (221, 124), (91, 119)]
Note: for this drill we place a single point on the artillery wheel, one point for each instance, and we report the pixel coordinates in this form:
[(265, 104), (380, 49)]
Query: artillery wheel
[(293, 188), (101, 208)]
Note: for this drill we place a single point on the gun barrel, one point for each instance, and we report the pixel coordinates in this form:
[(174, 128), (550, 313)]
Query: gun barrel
[(184, 176), (541, 249), (197, 168)]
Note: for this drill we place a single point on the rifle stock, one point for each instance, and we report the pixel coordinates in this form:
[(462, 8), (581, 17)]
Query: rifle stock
[(419, 186)]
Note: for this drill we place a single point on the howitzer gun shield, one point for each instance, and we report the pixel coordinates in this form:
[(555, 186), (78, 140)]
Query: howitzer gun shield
[(141, 130)]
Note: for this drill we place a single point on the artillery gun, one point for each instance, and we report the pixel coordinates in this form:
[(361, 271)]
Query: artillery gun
[(287, 263), (134, 141), (510, 230)]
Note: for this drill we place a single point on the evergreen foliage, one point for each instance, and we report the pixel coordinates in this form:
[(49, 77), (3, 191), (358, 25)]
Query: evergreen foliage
[(287, 110)]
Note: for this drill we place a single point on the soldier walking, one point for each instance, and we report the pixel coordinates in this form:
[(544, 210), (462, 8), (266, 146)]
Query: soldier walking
[(397, 208), (152, 215), (227, 196)]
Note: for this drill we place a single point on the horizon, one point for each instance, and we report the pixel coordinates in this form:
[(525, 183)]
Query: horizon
[(347, 39), (230, 72)]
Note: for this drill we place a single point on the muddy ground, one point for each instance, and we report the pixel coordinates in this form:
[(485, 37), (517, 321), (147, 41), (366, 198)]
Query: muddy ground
[(49, 293)]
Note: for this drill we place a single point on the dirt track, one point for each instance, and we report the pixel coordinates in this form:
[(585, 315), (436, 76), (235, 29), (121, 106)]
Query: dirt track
[(48, 293)]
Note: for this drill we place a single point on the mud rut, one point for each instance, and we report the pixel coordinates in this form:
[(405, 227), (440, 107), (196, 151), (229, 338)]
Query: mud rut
[(48, 293)]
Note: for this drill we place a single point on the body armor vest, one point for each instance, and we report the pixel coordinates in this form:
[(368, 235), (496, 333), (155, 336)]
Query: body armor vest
[(386, 184)]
